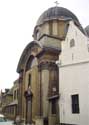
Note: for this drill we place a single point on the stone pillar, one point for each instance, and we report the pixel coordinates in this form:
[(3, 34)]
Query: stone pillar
[(49, 90), (44, 82), (28, 96), (19, 106), (40, 113)]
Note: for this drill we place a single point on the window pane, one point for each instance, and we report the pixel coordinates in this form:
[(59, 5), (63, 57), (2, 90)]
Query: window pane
[(75, 103)]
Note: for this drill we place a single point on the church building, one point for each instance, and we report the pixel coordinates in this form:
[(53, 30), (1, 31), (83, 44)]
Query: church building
[(53, 71)]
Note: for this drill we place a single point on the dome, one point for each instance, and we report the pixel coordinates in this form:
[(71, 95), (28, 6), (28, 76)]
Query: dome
[(56, 13), (87, 30)]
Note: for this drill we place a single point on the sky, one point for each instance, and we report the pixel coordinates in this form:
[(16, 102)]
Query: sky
[(17, 21)]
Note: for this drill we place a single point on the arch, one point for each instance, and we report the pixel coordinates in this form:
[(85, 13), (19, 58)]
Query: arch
[(27, 53)]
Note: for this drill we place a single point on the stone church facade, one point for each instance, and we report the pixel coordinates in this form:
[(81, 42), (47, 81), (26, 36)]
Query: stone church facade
[(39, 73), (39, 76)]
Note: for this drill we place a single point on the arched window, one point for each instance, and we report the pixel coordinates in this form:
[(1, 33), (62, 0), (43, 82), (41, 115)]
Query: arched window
[(32, 62), (72, 43)]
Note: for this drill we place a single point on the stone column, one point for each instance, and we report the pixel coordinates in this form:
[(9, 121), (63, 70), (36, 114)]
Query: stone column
[(19, 106), (28, 96), (49, 89), (44, 83)]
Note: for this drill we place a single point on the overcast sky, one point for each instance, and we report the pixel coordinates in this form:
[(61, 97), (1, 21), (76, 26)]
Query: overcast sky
[(17, 21)]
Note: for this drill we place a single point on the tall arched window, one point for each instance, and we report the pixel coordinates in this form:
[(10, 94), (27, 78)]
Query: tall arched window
[(32, 62)]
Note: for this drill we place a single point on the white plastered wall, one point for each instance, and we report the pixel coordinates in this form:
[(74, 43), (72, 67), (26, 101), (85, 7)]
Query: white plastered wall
[(74, 77)]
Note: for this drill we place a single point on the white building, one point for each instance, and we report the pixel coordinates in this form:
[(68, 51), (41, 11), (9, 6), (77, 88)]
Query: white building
[(74, 77)]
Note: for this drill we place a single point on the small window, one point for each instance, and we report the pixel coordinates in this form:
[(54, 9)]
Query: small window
[(29, 80), (54, 106), (75, 103), (72, 43)]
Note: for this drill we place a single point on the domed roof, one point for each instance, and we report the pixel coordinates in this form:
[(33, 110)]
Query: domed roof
[(87, 30), (56, 13)]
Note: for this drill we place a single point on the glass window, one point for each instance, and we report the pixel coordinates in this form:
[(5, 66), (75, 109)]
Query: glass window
[(75, 103)]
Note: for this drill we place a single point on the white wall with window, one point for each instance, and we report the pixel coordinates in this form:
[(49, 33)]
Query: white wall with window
[(74, 78), (75, 45)]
